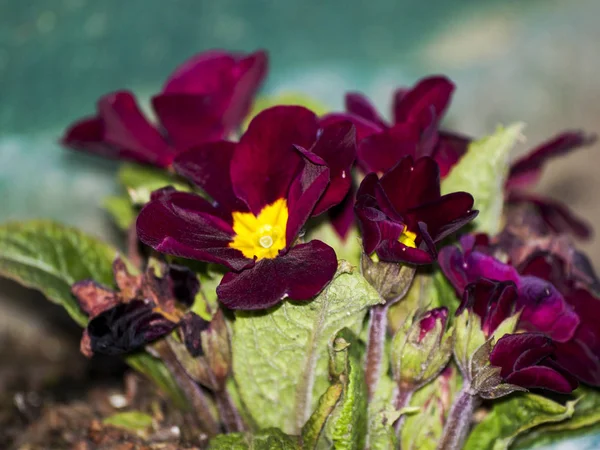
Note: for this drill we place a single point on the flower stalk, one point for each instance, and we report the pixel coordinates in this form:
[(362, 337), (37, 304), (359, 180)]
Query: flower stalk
[(459, 420)]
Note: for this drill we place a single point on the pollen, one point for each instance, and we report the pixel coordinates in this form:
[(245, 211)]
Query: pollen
[(408, 238), (263, 235)]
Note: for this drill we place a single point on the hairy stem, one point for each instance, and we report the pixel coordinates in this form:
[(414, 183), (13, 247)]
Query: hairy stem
[(197, 398), (403, 396), (230, 416), (459, 419), (375, 346)]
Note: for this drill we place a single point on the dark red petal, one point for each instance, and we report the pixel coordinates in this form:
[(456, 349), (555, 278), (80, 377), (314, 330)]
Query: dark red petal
[(360, 106), (364, 128), (126, 128), (342, 216), (127, 327), (432, 92), (556, 215), (450, 148), (527, 170), (298, 275), (412, 183), (375, 226), (186, 225), (381, 151), (208, 167), (394, 251), (541, 377), (305, 192), (581, 360), (452, 262), (191, 326), (182, 284), (428, 320), (191, 119), (336, 145), (510, 347), (444, 215), (88, 135), (266, 162)]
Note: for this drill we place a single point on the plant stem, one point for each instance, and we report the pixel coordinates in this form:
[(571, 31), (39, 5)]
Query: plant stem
[(402, 400), (197, 398), (133, 247), (459, 419), (230, 416), (375, 346)]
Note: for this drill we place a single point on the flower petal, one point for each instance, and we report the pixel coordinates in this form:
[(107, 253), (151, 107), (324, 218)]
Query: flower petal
[(88, 135), (450, 148), (542, 377), (265, 162), (208, 167), (364, 128), (186, 225), (527, 170), (361, 106), (305, 192), (382, 151), (127, 327), (433, 92), (510, 347), (341, 216), (94, 298), (299, 275), (336, 145)]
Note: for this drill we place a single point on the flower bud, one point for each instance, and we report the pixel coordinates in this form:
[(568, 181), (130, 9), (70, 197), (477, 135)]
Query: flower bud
[(391, 280), (421, 350)]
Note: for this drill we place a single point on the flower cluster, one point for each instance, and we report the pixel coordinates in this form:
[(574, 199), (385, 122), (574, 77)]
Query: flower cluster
[(527, 315)]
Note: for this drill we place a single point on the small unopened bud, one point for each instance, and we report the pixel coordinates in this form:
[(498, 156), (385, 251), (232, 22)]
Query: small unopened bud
[(421, 350), (391, 280)]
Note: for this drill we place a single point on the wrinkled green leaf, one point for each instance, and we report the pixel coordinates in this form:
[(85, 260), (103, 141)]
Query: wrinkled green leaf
[(267, 439), (482, 172), (585, 419), (140, 181), (134, 421), (121, 210), (381, 435), (514, 415), (347, 426), (280, 356), (50, 257), (155, 370)]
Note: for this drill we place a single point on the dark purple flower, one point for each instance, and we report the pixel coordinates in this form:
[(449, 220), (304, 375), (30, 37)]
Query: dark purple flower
[(263, 190), (143, 309), (580, 354), (492, 301), (527, 360), (403, 215), (543, 307), (205, 99), (526, 171)]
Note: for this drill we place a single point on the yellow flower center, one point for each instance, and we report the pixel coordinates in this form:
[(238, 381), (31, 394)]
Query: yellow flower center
[(408, 238), (261, 236)]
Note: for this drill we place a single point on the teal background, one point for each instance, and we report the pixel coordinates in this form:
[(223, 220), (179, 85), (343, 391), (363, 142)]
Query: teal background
[(535, 61)]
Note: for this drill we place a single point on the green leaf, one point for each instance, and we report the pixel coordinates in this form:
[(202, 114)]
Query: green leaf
[(280, 356), (311, 431), (140, 181), (121, 210), (347, 425), (482, 172), (267, 439), (381, 416), (134, 421), (50, 257), (155, 370), (515, 415), (585, 419)]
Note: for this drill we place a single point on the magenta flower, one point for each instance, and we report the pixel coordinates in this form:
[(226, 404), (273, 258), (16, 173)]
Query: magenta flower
[(527, 360), (205, 99), (403, 215), (580, 354), (543, 307), (526, 171), (263, 190), (429, 319)]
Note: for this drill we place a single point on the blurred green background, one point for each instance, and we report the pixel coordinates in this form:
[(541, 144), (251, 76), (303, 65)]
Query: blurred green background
[(535, 61)]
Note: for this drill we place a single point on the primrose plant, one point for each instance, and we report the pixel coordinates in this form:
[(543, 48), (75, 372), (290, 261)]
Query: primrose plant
[(333, 280)]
